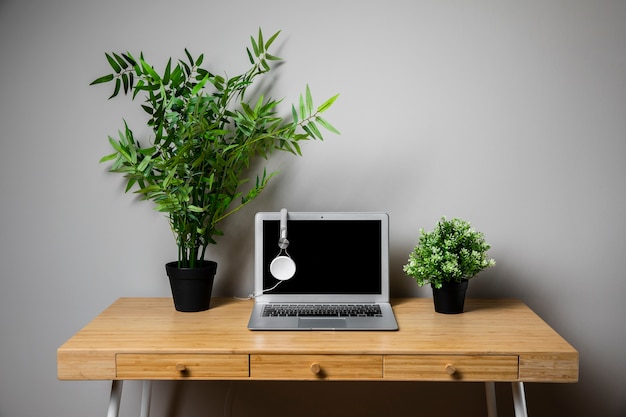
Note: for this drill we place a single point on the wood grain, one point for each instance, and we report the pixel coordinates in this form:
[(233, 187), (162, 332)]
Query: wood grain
[(488, 329)]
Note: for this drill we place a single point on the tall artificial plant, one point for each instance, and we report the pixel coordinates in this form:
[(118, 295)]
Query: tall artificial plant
[(205, 134)]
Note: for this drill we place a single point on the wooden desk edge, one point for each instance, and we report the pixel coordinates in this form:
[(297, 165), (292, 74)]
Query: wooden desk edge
[(85, 363)]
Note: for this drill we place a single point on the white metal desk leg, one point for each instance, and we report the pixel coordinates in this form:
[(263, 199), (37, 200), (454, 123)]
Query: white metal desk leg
[(519, 399), (146, 395), (114, 400), (490, 390)]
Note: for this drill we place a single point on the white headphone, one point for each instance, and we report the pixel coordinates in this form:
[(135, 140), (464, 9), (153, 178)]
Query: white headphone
[(282, 266)]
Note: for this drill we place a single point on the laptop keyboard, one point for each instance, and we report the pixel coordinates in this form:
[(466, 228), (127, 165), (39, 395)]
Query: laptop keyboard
[(322, 310)]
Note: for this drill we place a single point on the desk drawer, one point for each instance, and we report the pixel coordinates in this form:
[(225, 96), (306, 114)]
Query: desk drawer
[(314, 367), (180, 366), (451, 367)]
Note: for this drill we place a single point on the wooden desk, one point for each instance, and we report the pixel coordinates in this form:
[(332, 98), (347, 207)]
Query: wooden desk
[(147, 339)]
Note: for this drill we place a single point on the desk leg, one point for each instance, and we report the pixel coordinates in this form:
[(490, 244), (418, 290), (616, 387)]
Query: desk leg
[(146, 396), (490, 390), (519, 399), (114, 400)]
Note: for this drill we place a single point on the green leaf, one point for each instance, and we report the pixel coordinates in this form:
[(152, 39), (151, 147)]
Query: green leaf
[(131, 182), (138, 88), (250, 57), (129, 58), (255, 48), (103, 79), (196, 89), (125, 82), (120, 61), (316, 132), (144, 163), (294, 114), (302, 108), (113, 63), (260, 43), (150, 71), (118, 147), (108, 157), (327, 104), (271, 40), (326, 125), (199, 60), (116, 90), (166, 74), (309, 101), (189, 57)]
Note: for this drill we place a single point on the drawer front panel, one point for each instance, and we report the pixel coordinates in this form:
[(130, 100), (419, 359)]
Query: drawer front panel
[(451, 367), (316, 367), (181, 366)]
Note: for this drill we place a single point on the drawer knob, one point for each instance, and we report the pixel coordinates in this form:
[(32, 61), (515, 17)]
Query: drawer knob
[(450, 369), (316, 368), (180, 367)]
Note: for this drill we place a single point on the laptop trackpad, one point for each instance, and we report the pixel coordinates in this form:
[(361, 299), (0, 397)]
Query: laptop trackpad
[(317, 323)]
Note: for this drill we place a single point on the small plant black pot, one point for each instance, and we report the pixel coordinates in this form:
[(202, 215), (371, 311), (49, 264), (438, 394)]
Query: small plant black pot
[(450, 298), (191, 287)]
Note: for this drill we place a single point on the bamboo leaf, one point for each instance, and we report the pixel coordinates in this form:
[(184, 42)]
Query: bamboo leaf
[(116, 90), (138, 89), (150, 71), (260, 43), (294, 114), (129, 58), (327, 125), (250, 57), (309, 101), (103, 79), (118, 147), (271, 40), (189, 57), (108, 157), (302, 108), (316, 132), (196, 89), (113, 63), (120, 61), (129, 185), (255, 48), (326, 105), (125, 82), (144, 163), (166, 74)]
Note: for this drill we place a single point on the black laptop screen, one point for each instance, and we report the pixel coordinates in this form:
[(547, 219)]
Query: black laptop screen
[(331, 256)]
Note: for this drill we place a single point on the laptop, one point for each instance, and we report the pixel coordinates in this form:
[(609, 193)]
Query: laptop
[(321, 271)]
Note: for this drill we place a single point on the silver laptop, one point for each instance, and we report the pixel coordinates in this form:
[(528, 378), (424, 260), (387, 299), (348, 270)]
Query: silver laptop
[(321, 271)]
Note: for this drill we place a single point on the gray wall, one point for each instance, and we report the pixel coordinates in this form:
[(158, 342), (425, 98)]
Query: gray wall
[(511, 114)]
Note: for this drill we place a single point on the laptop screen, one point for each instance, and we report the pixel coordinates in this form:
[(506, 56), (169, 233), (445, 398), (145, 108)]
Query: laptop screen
[(334, 253)]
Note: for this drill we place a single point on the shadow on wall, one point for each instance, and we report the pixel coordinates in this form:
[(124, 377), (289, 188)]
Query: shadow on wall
[(328, 399)]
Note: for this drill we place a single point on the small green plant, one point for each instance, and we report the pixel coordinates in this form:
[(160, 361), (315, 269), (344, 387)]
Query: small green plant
[(206, 132), (453, 251)]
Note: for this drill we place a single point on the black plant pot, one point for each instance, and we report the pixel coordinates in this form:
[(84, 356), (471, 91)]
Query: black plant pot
[(191, 287), (450, 298)]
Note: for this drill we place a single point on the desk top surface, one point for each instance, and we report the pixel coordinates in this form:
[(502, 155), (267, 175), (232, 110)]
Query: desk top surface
[(152, 325)]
